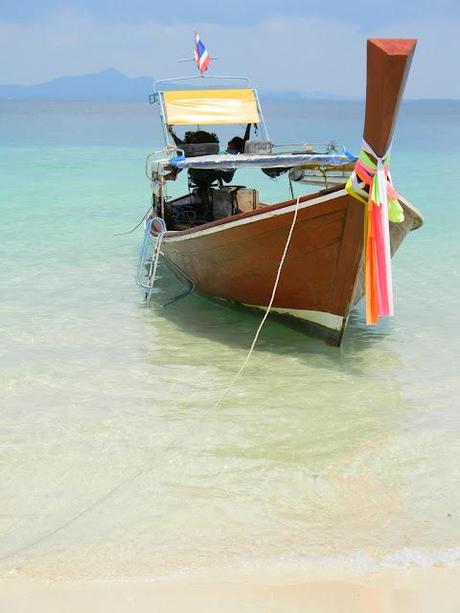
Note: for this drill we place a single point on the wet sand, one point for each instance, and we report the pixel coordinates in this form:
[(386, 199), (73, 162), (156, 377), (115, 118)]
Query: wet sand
[(396, 591)]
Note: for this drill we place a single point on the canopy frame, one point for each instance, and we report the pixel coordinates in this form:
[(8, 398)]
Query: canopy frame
[(160, 87)]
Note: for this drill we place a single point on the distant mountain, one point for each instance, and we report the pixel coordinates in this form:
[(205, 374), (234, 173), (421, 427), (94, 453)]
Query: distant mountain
[(283, 95), (109, 84)]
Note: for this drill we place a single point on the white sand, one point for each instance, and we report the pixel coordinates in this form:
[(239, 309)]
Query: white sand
[(402, 591)]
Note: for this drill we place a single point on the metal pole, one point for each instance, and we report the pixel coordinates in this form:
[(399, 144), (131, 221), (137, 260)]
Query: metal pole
[(259, 108), (163, 118)]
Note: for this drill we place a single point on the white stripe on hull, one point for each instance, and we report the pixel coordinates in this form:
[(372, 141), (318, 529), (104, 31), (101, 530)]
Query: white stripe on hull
[(327, 320)]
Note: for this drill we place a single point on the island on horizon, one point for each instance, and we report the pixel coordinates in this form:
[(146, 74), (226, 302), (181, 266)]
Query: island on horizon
[(111, 84)]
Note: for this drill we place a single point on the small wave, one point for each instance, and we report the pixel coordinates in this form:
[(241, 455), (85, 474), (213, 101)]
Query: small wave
[(359, 561)]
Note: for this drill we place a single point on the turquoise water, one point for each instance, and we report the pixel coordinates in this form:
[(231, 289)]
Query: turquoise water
[(115, 462)]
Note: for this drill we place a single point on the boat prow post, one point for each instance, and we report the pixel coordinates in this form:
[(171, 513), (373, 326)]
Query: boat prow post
[(388, 64)]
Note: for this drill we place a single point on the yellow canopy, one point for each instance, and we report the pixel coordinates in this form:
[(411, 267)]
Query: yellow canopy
[(210, 106)]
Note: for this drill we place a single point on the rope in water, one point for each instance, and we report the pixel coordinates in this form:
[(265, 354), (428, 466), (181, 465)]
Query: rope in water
[(136, 226), (267, 312)]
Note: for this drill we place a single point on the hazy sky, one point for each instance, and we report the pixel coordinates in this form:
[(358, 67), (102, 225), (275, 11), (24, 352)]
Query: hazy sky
[(285, 44)]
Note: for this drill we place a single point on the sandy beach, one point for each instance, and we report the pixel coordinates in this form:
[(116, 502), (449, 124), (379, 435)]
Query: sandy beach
[(405, 591)]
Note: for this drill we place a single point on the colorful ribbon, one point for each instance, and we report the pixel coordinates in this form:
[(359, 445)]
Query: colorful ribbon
[(381, 207)]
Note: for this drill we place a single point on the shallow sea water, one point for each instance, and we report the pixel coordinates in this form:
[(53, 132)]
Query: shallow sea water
[(114, 461)]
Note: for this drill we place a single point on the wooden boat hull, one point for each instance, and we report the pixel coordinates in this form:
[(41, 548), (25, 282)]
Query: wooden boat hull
[(237, 258)]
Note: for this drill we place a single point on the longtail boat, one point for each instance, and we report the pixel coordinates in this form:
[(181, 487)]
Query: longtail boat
[(227, 244)]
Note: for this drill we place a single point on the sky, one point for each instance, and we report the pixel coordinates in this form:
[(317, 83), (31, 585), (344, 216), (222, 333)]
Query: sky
[(302, 45)]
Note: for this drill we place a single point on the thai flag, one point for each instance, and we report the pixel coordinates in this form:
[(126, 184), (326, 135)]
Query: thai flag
[(202, 57)]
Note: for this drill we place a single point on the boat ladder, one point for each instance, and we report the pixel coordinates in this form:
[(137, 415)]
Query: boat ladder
[(149, 258)]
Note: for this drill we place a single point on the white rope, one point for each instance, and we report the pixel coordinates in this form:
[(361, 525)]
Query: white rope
[(267, 312)]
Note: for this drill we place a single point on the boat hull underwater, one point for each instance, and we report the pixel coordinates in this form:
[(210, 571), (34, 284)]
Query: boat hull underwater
[(237, 258)]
